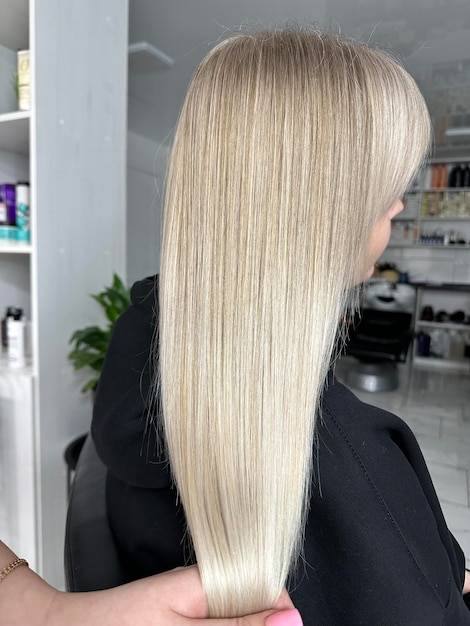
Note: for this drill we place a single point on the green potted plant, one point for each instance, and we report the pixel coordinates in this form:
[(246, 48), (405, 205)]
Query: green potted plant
[(91, 343)]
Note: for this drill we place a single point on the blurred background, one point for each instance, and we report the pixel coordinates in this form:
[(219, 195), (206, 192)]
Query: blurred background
[(431, 37)]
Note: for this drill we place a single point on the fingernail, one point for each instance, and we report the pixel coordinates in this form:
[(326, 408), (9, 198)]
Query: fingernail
[(285, 618)]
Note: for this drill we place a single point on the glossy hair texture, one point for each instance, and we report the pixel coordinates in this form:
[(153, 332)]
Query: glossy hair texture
[(290, 145)]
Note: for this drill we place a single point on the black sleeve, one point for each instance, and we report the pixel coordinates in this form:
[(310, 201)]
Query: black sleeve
[(460, 557), (124, 439)]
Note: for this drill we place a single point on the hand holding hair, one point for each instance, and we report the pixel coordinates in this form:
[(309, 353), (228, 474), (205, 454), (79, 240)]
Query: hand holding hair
[(174, 598)]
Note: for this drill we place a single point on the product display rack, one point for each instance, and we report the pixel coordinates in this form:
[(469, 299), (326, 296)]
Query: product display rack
[(432, 213), (71, 147), (453, 296), (430, 240), (15, 139)]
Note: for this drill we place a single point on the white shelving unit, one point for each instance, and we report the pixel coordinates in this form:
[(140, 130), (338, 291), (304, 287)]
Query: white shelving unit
[(443, 326), (71, 146), (443, 364), (15, 247), (425, 245), (432, 209), (430, 216), (443, 297)]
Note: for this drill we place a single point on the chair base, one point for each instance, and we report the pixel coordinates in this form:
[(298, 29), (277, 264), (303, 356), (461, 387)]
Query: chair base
[(373, 377)]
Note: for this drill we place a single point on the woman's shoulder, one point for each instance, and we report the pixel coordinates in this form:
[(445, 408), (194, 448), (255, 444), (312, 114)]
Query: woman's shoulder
[(380, 441), (144, 292), (376, 511), (354, 415)]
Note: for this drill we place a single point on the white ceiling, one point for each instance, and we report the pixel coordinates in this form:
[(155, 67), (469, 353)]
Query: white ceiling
[(423, 32)]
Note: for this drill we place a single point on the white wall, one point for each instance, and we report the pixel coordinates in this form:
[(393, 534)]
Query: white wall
[(7, 72), (445, 265), (146, 167), (78, 176)]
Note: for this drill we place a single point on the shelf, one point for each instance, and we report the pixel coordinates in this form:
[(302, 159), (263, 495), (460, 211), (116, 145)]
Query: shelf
[(443, 190), (13, 116), (447, 364), (442, 286), (4, 367), (465, 86), (435, 246), (15, 247), (443, 325), (14, 132), (443, 218), (430, 246)]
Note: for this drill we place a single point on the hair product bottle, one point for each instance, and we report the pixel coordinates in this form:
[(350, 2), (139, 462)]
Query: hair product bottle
[(16, 340), (24, 80), (22, 212), (466, 176), (11, 311), (455, 176), (3, 211)]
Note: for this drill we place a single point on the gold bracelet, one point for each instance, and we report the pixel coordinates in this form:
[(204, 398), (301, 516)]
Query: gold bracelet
[(9, 568)]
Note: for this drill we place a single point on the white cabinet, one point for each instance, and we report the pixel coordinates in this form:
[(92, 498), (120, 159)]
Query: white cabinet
[(17, 462), (71, 146)]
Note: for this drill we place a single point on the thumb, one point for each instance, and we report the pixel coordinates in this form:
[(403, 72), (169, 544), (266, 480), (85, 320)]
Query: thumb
[(290, 617)]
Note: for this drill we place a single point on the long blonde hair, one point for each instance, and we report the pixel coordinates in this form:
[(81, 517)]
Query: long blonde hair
[(290, 145)]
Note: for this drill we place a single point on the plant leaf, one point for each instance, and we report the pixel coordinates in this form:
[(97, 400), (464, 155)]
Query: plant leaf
[(91, 384), (82, 358), (90, 344), (88, 334)]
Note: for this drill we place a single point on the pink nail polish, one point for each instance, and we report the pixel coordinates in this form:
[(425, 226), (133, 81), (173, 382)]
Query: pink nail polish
[(285, 618)]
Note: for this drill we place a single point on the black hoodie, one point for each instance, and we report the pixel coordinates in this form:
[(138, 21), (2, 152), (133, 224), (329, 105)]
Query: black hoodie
[(377, 549)]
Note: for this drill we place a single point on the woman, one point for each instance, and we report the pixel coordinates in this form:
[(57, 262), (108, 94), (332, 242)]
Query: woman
[(291, 155)]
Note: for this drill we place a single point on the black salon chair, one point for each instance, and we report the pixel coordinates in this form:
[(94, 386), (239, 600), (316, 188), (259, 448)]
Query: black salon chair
[(92, 560), (379, 340)]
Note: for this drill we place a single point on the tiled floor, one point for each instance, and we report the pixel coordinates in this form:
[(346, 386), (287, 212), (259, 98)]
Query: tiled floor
[(436, 406)]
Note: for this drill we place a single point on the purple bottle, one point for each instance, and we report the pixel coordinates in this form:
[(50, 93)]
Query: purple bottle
[(8, 193)]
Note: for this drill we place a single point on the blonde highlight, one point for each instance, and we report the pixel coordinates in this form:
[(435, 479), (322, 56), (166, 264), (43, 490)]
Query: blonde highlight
[(266, 221)]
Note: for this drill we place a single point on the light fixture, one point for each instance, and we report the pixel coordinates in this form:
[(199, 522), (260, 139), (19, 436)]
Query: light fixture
[(146, 59), (458, 132)]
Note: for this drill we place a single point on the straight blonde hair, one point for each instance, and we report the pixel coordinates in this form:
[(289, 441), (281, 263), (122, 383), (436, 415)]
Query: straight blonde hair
[(290, 146)]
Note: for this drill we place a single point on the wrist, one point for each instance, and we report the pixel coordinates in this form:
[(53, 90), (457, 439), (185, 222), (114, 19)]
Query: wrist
[(8, 569)]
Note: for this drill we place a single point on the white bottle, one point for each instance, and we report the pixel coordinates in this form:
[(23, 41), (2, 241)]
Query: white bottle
[(16, 342), (456, 345)]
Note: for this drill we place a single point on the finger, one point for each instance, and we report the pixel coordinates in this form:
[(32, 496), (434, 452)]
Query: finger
[(186, 597), (187, 600), (284, 602)]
